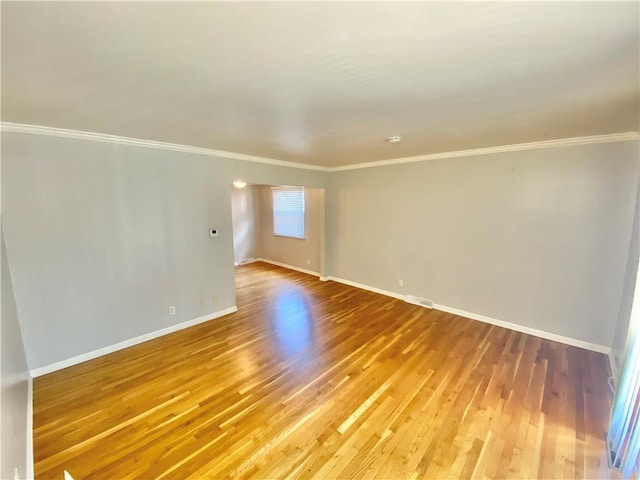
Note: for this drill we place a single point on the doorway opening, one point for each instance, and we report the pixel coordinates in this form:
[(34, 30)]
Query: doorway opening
[(279, 224)]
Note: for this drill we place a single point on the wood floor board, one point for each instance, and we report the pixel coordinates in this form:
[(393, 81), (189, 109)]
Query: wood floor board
[(315, 379)]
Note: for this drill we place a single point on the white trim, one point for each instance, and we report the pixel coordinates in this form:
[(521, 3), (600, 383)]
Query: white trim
[(246, 261), (30, 473), (139, 142), (100, 137), (528, 330), (290, 267), (561, 142), (483, 318), (324, 279), (613, 366), (37, 372), (367, 287)]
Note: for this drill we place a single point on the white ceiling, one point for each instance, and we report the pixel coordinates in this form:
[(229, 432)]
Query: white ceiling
[(324, 83)]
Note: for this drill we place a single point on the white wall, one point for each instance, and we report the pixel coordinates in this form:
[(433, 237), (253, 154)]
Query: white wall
[(302, 253), (539, 238), (102, 238), (246, 226), (624, 315), (14, 398)]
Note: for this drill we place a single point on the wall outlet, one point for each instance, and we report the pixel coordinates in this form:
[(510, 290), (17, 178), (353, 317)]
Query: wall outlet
[(400, 282), (308, 261), (16, 474), (172, 310), (214, 299)]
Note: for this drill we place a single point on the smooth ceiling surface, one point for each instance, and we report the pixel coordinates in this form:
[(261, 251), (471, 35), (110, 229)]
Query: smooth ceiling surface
[(324, 83)]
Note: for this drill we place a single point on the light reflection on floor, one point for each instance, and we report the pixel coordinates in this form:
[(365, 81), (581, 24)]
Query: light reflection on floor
[(292, 322)]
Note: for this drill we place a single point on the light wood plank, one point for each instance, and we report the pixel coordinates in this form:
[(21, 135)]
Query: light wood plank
[(315, 379)]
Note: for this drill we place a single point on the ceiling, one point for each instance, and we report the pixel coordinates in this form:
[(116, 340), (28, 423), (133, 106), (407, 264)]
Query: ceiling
[(324, 83)]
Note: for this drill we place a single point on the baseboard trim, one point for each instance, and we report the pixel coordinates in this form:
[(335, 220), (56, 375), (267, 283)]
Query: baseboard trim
[(30, 473), (246, 261), (37, 372), (493, 321), (367, 287), (290, 267), (523, 329)]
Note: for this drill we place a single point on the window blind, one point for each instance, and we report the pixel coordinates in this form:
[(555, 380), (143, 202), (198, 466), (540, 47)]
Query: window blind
[(288, 212)]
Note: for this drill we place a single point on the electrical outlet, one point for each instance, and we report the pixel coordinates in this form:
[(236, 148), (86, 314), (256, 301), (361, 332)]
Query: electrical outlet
[(400, 282), (308, 261), (214, 299), (172, 310), (16, 474)]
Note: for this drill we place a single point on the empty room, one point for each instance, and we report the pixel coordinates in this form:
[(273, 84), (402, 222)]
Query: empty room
[(328, 240)]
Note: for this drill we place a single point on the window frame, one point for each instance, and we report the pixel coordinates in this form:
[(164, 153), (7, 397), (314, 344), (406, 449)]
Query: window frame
[(300, 214)]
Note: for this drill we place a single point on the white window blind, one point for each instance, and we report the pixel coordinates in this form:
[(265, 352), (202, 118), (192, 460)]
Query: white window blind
[(288, 212)]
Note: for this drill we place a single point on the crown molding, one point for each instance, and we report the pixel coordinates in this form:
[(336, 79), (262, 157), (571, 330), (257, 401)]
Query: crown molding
[(561, 142), (100, 137), (138, 142)]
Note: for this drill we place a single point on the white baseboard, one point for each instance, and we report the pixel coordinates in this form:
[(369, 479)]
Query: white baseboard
[(245, 261), (290, 267), (493, 321), (37, 372), (30, 473), (367, 287), (523, 329)]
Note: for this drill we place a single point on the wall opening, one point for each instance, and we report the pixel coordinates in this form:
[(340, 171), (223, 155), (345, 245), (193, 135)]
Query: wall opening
[(254, 238)]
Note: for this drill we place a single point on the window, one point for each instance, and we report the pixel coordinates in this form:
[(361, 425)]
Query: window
[(623, 438), (288, 212)]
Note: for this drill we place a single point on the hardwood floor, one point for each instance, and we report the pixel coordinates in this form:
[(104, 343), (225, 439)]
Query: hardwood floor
[(318, 379)]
